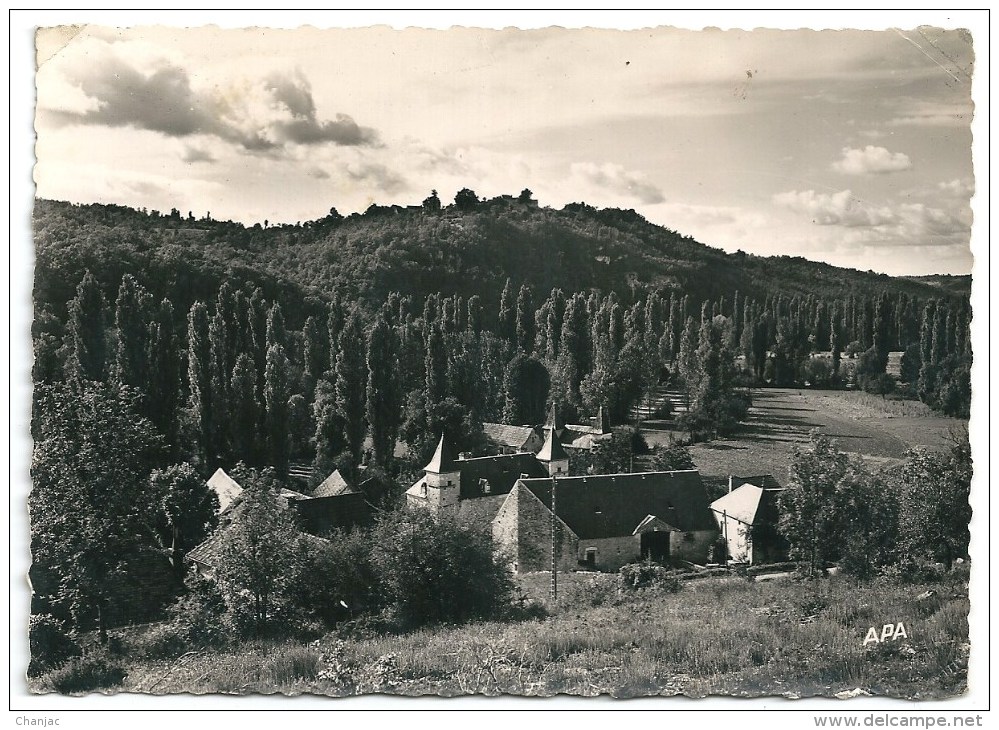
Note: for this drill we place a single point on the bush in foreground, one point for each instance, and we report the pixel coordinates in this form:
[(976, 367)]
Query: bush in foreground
[(647, 574), (86, 674), (432, 570), (49, 643)]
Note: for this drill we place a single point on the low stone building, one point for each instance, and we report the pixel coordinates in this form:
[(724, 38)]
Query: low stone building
[(601, 521), (606, 521)]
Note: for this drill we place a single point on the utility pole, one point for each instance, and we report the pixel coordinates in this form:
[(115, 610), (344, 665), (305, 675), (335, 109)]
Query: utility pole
[(554, 588)]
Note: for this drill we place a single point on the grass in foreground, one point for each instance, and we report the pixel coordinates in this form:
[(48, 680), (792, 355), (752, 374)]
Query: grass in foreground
[(717, 636)]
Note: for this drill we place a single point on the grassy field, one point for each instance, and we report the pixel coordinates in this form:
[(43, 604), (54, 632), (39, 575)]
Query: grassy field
[(879, 430), (717, 636)]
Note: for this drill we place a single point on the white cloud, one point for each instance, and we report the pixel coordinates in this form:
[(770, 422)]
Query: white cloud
[(871, 160), (615, 179), (958, 187), (835, 209), (115, 84)]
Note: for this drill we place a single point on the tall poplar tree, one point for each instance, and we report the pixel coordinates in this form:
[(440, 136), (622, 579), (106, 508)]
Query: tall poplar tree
[(351, 384), (384, 397), (276, 393), (87, 332)]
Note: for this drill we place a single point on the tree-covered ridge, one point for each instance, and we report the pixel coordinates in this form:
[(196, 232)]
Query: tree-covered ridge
[(464, 250)]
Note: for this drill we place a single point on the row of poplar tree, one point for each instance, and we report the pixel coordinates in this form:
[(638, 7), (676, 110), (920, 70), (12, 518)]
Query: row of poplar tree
[(231, 381)]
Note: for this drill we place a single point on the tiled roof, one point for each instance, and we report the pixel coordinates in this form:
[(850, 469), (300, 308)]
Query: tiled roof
[(332, 486), (501, 472), (613, 505), (513, 437), (480, 511)]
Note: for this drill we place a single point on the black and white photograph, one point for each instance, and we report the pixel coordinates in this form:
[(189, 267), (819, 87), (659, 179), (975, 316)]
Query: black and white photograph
[(539, 360)]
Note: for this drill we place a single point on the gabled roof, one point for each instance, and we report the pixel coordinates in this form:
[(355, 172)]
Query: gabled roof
[(333, 486), (512, 437), (290, 495), (443, 460), (651, 523), (746, 504), (500, 472), (225, 488), (209, 551), (611, 505), (597, 426), (574, 438), (479, 512), (552, 450)]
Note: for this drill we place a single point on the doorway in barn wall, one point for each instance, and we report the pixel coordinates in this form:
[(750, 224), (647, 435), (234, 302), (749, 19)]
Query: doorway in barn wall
[(655, 547)]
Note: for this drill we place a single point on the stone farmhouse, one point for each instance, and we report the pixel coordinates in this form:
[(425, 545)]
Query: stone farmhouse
[(601, 521)]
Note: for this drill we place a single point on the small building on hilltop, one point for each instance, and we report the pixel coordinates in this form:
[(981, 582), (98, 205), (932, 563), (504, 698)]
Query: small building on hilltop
[(747, 518)]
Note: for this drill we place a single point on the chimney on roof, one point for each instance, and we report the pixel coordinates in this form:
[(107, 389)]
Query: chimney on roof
[(730, 483), (463, 455)]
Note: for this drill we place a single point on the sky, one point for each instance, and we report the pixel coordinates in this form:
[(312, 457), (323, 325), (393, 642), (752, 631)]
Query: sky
[(851, 147)]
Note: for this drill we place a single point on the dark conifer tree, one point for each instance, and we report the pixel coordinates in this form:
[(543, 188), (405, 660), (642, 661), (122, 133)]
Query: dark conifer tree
[(384, 397), (164, 380), (199, 377), (435, 366), (244, 421), (351, 384), (525, 320), (132, 318), (276, 393), (507, 322), (86, 332)]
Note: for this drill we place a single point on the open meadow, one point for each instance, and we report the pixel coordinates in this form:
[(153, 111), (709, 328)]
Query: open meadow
[(879, 430), (718, 635)]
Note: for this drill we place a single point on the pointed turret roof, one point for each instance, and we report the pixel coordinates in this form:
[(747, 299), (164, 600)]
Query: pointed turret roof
[(553, 420), (602, 421), (443, 460), (552, 450)]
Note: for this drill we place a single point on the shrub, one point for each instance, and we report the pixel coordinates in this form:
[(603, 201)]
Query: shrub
[(87, 673), (909, 571), (647, 574), (200, 615), (165, 641), (594, 591), (432, 570), (50, 644)]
